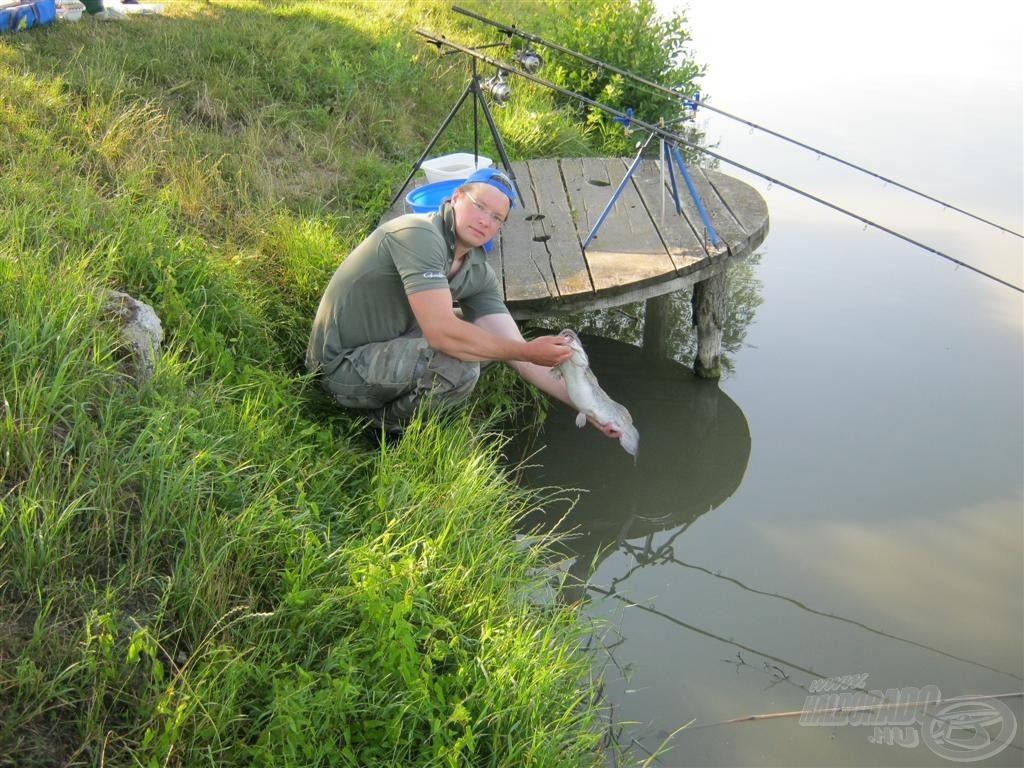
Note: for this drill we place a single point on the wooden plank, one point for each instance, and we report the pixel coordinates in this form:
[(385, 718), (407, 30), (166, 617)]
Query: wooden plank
[(686, 205), (553, 227), (628, 226), (524, 259), (745, 203), (722, 220), (627, 249), (678, 231)]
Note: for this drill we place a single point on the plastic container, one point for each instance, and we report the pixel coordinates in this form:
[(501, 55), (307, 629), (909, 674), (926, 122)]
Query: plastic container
[(70, 10), (428, 198), (454, 166)]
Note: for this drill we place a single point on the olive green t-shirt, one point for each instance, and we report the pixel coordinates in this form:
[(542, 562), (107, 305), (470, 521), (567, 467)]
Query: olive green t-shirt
[(366, 299)]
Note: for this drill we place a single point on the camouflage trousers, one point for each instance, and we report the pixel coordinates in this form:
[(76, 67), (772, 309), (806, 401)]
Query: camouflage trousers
[(391, 379)]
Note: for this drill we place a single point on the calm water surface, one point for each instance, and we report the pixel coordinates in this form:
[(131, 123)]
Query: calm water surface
[(848, 499)]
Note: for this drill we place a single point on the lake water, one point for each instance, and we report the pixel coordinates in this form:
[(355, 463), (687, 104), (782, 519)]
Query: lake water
[(848, 499)]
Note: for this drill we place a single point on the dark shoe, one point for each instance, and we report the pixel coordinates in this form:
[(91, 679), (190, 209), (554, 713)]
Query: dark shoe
[(376, 436)]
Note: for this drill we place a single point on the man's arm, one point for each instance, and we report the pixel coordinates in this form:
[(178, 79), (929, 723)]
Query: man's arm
[(538, 375), (466, 341)]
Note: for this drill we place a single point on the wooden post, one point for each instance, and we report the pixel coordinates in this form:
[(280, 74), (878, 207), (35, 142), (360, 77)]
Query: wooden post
[(655, 343), (708, 304)]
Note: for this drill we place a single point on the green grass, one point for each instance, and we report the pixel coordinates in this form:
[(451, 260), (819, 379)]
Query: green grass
[(215, 568)]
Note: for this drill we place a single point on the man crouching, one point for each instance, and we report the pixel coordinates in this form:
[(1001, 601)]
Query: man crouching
[(386, 337)]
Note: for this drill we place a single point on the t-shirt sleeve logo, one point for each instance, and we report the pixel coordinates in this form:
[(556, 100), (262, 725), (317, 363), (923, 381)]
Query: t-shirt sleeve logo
[(435, 275)]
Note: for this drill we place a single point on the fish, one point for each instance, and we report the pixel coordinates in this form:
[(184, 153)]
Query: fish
[(589, 399)]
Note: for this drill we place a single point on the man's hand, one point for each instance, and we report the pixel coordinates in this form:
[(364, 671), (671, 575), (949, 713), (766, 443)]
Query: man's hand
[(548, 351), (606, 429), (539, 374)]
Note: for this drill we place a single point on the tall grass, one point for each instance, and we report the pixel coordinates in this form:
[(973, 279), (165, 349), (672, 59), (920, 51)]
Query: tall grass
[(215, 568), (216, 572)]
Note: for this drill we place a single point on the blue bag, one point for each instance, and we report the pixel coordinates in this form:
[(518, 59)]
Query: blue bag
[(14, 18)]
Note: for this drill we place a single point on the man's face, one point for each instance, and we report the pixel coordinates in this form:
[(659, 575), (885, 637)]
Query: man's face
[(480, 210)]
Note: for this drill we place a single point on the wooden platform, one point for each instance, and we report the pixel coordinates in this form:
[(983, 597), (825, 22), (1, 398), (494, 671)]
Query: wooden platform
[(642, 249)]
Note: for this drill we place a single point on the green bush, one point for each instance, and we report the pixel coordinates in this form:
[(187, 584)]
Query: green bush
[(629, 35)]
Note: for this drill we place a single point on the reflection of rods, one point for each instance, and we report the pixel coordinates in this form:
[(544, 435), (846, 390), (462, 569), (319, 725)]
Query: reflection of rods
[(792, 713), (665, 553), (694, 103), (698, 630), (674, 137), (844, 619)]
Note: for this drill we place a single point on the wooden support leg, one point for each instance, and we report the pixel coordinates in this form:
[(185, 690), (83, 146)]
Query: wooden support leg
[(709, 318), (655, 344)]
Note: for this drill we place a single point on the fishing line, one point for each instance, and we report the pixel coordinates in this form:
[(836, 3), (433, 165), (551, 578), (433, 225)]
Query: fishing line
[(674, 137), (695, 103)]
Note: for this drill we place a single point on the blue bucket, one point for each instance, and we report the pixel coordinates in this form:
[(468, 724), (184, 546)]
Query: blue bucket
[(428, 198)]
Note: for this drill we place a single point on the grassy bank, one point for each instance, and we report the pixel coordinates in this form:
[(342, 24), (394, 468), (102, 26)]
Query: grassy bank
[(215, 568)]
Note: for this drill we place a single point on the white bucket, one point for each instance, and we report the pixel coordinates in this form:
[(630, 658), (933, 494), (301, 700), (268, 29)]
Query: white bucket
[(70, 10), (454, 166)]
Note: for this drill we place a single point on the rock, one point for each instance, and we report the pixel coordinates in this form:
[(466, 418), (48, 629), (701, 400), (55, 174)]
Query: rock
[(140, 331)]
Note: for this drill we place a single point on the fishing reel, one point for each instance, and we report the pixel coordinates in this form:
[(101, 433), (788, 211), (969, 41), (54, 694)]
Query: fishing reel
[(529, 60), (497, 88)]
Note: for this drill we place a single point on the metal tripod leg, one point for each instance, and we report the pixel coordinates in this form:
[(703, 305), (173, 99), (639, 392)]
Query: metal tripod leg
[(498, 142), (472, 87), (465, 93)]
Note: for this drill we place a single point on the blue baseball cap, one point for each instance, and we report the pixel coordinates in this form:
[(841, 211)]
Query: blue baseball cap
[(495, 178)]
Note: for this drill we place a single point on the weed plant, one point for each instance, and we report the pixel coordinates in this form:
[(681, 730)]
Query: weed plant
[(216, 567)]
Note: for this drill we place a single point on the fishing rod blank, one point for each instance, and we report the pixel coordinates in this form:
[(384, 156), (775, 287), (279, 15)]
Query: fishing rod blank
[(695, 103), (671, 136)]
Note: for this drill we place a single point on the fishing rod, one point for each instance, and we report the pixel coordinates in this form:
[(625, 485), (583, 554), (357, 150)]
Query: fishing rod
[(671, 136), (694, 103), (861, 708)]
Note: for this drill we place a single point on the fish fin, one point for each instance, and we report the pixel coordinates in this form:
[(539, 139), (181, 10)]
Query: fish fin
[(581, 419), (556, 373)]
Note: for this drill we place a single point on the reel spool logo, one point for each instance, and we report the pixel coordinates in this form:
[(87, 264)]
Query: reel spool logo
[(963, 729)]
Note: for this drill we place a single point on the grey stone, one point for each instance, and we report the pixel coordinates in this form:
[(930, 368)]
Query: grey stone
[(140, 330)]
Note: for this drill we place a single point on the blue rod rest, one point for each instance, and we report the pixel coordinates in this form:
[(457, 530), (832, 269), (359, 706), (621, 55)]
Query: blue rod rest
[(715, 239), (618, 191)]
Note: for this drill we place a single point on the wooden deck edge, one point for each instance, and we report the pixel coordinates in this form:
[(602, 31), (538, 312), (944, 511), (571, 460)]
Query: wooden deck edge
[(524, 310)]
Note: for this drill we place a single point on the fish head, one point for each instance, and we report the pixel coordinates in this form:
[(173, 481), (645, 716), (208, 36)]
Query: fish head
[(579, 356)]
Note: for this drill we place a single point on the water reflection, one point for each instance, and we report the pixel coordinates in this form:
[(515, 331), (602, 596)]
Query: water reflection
[(700, 636), (627, 322), (694, 448)]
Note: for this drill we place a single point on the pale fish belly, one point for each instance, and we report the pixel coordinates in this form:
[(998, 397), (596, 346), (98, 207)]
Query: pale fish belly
[(590, 400)]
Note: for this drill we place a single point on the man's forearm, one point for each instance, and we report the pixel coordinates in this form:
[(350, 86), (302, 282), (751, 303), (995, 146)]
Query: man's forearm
[(543, 380), (467, 341)]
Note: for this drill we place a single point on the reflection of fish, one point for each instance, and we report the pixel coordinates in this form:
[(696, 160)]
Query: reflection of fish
[(590, 400)]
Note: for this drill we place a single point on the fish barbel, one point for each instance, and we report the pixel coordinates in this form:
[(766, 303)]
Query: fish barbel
[(589, 399)]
